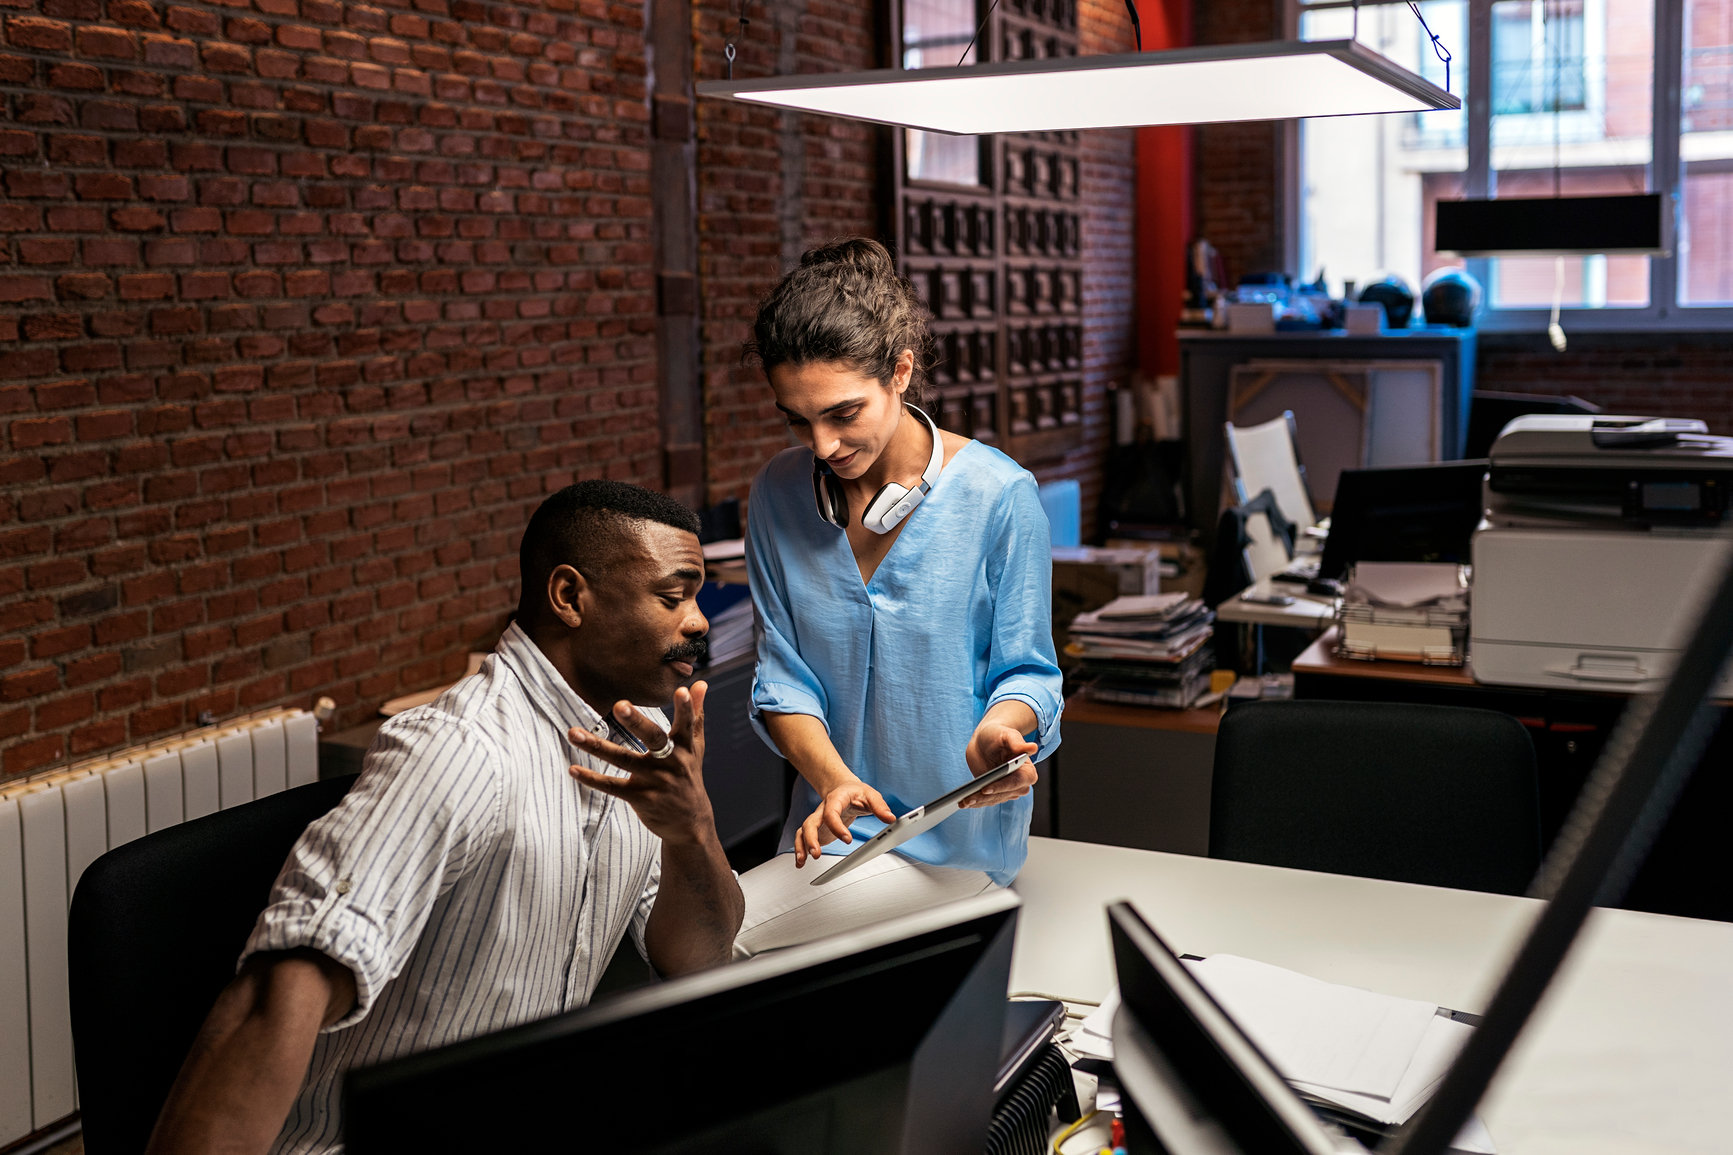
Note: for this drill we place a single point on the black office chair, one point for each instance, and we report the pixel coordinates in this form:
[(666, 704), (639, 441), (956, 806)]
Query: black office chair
[(1438, 795), (155, 929)]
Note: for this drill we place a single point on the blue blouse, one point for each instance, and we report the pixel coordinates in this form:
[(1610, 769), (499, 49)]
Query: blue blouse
[(901, 669)]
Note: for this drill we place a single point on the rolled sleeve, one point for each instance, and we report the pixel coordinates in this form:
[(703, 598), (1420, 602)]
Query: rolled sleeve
[(361, 882), (782, 682), (1022, 664)]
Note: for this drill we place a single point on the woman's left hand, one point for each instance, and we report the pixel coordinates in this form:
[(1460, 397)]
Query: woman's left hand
[(995, 742)]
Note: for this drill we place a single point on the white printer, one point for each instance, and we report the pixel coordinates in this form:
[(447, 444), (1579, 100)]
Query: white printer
[(1601, 540)]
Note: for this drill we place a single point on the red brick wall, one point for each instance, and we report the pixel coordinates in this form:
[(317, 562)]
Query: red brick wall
[(1239, 165), (1109, 275), (1641, 374), (307, 304), (770, 185)]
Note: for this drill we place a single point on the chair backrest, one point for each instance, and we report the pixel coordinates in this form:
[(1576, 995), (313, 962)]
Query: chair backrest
[(1267, 456), (155, 928), (1438, 795)]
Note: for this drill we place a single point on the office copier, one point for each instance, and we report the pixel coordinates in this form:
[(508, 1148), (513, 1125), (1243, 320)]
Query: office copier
[(1602, 536)]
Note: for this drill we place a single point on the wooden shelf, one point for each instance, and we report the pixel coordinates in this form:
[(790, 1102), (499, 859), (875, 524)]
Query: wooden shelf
[(1201, 721), (1320, 658)]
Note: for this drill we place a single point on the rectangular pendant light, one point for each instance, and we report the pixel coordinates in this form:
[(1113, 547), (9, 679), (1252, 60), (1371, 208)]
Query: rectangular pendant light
[(1573, 226), (1279, 80)]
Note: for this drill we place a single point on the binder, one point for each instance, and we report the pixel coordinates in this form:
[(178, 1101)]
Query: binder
[(270, 760), (301, 736), (126, 812), (86, 826), (15, 1115), (42, 819), (235, 768), (199, 780), (164, 805)]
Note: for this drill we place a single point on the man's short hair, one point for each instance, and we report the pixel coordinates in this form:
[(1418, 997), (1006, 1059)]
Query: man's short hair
[(583, 526)]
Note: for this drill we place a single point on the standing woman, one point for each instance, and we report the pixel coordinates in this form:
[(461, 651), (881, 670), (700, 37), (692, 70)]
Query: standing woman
[(902, 579)]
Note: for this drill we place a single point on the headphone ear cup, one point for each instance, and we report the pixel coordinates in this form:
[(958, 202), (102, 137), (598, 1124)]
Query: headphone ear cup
[(827, 493), (889, 507)]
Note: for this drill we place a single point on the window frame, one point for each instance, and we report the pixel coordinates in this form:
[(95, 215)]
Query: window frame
[(1664, 312)]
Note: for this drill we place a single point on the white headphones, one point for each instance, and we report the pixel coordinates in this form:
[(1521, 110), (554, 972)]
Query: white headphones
[(890, 505)]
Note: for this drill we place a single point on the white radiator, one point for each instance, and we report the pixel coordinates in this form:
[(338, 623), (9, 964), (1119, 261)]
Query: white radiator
[(57, 823)]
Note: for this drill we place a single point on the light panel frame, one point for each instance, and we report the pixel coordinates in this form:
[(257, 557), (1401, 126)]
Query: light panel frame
[(1274, 80)]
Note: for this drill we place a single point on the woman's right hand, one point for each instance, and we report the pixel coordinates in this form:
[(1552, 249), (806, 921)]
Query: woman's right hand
[(840, 806)]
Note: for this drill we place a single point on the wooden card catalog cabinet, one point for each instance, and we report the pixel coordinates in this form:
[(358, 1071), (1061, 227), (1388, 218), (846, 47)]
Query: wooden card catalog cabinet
[(990, 231)]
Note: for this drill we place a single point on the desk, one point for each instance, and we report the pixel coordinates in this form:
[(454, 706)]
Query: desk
[(1631, 1053), (1135, 776), (1689, 871), (1307, 613)]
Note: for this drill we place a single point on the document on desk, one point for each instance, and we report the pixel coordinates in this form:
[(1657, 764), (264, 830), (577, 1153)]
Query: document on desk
[(1331, 1036)]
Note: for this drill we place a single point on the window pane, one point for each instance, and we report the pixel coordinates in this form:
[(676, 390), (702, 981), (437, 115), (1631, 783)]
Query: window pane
[(1368, 183), (935, 34), (1572, 87), (1706, 155)]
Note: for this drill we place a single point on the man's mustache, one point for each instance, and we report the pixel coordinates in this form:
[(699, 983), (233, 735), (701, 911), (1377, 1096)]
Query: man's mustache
[(695, 651)]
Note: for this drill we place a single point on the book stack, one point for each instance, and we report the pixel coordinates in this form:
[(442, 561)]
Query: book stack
[(1145, 651)]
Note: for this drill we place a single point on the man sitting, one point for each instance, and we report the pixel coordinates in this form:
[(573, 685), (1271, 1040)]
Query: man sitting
[(474, 878)]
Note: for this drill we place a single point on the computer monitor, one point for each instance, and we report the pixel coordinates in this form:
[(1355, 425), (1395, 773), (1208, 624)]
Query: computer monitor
[(1193, 1083), (876, 1041), (1404, 513)]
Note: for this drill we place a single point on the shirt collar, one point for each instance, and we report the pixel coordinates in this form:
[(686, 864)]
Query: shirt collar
[(550, 691)]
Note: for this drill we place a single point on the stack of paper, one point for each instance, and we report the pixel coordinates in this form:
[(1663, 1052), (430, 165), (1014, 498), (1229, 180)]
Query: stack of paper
[(1146, 650), (1406, 611), (1369, 1060), (731, 632)]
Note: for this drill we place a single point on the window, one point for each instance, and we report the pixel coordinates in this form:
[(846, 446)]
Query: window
[(1570, 109), (936, 34), (1705, 239)]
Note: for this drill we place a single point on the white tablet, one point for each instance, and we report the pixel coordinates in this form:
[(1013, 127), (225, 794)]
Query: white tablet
[(918, 821)]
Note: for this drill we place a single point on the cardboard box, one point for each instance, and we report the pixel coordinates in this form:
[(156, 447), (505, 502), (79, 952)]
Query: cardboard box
[(1182, 564)]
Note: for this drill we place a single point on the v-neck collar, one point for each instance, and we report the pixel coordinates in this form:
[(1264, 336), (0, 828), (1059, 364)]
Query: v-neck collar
[(866, 584)]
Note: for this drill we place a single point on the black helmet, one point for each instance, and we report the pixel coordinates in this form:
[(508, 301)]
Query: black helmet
[(1450, 296), (1394, 294)]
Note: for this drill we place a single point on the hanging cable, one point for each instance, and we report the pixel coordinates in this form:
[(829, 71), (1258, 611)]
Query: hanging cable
[(977, 34), (1438, 48), (1136, 25), (728, 51)]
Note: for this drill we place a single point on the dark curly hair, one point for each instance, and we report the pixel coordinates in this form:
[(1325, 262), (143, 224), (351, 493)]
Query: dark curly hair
[(844, 303)]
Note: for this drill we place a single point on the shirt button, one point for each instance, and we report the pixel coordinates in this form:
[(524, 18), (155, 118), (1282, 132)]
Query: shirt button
[(344, 886)]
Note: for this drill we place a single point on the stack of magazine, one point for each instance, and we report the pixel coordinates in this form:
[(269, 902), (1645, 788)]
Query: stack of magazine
[(1145, 651)]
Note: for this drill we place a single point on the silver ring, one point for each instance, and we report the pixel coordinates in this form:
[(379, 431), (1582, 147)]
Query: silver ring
[(667, 749)]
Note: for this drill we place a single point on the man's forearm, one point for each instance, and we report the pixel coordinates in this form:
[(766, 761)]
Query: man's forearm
[(698, 908), (248, 1062)]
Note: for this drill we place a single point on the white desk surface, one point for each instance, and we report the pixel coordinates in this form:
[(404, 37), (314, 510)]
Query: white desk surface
[(1632, 1051), (1307, 613)]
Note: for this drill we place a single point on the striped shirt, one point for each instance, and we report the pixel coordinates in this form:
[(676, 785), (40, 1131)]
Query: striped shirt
[(468, 881)]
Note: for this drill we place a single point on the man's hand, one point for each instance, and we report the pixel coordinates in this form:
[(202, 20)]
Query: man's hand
[(667, 793), (841, 806), (699, 905), (997, 740)]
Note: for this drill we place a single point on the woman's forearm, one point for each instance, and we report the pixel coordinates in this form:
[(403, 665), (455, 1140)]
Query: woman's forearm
[(1012, 712), (806, 744)]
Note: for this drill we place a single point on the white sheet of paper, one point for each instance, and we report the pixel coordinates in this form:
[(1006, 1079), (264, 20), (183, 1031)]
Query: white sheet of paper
[(1407, 583), (1316, 1032)]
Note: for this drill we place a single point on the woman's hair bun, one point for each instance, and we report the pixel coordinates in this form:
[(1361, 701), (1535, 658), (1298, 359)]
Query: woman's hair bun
[(860, 254), (844, 303)]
